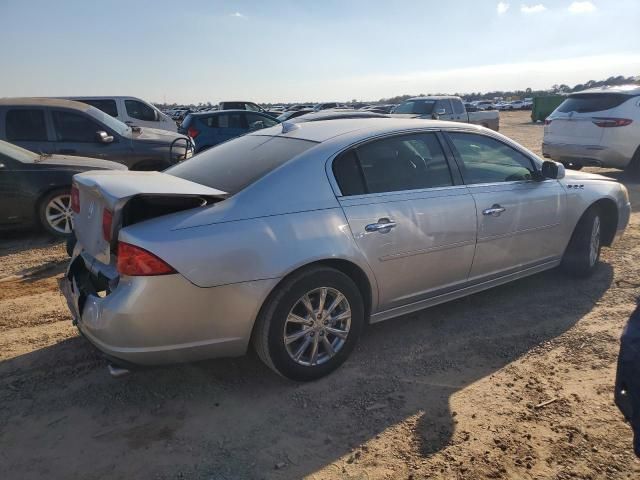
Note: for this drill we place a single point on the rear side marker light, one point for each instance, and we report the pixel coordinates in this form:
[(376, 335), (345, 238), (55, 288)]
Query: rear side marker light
[(75, 199), (611, 122), (137, 262), (107, 222)]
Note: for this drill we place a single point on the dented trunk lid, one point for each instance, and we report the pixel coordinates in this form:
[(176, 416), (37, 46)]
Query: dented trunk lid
[(131, 197)]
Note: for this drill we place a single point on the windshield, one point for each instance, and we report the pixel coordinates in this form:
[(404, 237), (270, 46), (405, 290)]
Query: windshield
[(416, 106), (17, 153), (592, 102), (112, 123), (233, 165)]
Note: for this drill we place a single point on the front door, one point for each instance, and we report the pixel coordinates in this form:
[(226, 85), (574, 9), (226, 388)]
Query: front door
[(140, 114), (415, 227), (519, 217)]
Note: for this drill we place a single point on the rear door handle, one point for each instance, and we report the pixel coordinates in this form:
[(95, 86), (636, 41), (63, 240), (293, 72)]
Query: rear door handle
[(384, 225), (494, 211)]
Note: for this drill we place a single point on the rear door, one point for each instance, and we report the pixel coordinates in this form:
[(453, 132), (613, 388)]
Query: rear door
[(231, 125), (414, 223), (519, 218)]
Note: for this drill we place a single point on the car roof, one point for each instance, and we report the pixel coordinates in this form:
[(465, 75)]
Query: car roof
[(231, 110), (625, 89), (354, 128), (44, 102), (432, 97), (337, 114)]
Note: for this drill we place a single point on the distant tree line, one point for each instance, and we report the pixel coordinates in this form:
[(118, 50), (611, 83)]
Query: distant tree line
[(557, 89)]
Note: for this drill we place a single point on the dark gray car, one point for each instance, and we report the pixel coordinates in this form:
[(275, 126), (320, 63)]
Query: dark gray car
[(65, 127)]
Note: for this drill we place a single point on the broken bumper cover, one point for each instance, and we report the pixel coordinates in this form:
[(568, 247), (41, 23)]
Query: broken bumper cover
[(162, 319)]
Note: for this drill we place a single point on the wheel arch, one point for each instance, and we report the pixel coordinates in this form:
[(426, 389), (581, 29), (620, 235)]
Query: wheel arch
[(349, 268), (609, 218)]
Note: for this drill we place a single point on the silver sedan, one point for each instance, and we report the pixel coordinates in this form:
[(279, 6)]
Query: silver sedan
[(293, 238)]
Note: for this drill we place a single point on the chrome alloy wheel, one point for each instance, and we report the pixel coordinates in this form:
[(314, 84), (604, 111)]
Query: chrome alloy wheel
[(58, 213), (594, 245), (317, 326)]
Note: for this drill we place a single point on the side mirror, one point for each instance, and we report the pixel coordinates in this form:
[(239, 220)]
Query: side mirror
[(552, 170), (437, 113), (104, 137)]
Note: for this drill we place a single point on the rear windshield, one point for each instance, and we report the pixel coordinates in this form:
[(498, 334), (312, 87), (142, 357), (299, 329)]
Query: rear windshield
[(592, 102), (233, 165), (417, 107)]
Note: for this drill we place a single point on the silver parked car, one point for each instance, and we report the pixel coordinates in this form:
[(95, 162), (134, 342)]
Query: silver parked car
[(292, 238)]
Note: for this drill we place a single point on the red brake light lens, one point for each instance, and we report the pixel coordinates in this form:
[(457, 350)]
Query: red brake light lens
[(75, 199), (137, 262), (193, 132), (611, 122), (107, 222)]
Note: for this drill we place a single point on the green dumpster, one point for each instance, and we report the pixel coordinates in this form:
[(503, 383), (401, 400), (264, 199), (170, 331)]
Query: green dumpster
[(543, 106)]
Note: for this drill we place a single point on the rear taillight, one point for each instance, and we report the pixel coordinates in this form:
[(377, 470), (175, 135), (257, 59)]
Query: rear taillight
[(135, 261), (611, 122), (547, 121), (193, 132), (107, 222), (75, 199)]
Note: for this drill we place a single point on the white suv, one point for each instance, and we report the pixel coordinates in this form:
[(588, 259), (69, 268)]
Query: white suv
[(599, 126)]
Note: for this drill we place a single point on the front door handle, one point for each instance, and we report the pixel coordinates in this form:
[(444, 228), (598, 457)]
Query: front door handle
[(384, 225), (494, 211)]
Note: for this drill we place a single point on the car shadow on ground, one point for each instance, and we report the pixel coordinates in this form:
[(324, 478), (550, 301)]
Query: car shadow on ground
[(234, 418)]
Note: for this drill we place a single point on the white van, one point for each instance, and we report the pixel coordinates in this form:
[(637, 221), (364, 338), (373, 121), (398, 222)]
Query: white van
[(131, 110)]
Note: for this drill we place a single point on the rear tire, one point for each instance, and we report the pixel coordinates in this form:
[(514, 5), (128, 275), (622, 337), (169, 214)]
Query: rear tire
[(305, 340), (54, 213), (581, 257)]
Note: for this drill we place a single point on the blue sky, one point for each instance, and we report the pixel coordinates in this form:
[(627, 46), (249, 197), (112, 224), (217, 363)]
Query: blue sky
[(305, 50)]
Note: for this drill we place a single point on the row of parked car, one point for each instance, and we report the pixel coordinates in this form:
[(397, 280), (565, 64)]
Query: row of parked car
[(599, 127), (526, 104)]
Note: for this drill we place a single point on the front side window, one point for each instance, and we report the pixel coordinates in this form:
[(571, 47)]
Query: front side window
[(444, 105), (26, 125), (408, 162), (139, 110), (458, 107), (73, 127), (230, 120), (486, 160), (256, 122)]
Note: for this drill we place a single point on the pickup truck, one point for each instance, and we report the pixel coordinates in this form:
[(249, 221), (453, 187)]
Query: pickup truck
[(446, 108)]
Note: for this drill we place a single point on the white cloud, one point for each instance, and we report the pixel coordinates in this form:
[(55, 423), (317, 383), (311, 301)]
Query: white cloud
[(582, 7), (532, 8), (502, 8), (238, 15)]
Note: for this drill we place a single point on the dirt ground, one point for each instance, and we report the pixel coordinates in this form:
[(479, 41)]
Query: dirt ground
[(456, 391)]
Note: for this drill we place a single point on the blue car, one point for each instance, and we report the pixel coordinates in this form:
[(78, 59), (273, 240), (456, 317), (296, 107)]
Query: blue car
[(211, 128), (627, 393)]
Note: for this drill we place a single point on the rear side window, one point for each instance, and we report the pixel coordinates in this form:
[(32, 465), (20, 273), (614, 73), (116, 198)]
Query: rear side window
[(408, 162), (107, 106), (417, 107), (26, 125), (73, 127), (233, 165), (139, 110), (592, 102)]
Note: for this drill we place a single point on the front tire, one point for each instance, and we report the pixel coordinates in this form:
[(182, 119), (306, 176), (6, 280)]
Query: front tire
[(583, 252), (310, 324), (632, 172), (55, 214)]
